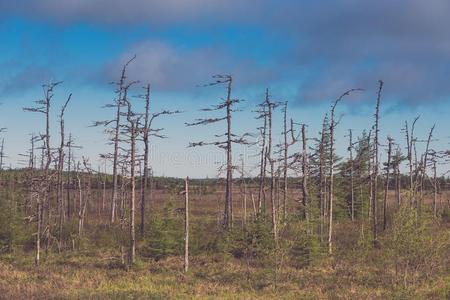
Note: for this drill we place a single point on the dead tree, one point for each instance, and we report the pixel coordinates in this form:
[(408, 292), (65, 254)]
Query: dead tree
[(352, 181), (376, 166), (117, 104), (43, 107), (2, 153), (244, 192), (263, 158), (132, 129), (396, 161), (270, 107), (144, 180), (147, 132), (386, 186), (305, 173), (231, 138), (370, 172), (434, 158), (410, 142), (424, 168), (83, 198), (333, 124), (60, 178), (186, 225), (103, 180), (322, 177), (70, 161), (285, 150), (285, 160)]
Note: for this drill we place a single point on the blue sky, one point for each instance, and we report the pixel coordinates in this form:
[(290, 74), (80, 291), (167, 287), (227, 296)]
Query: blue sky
[(306, 53)]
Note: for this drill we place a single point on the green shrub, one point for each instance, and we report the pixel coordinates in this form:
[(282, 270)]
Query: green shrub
[(255, 242), (415, 250), (14, 232), (165, 236)]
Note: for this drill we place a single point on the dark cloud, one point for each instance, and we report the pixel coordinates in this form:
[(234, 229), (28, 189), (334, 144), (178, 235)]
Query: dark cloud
[(170, 68), (126, 12), (30, 76), (351, 43), (333, 44)]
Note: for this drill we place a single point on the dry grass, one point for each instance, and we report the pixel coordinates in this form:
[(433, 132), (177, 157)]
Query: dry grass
[(95, 273)]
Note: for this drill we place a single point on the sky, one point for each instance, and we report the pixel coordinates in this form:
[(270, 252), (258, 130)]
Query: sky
[(306, 52)]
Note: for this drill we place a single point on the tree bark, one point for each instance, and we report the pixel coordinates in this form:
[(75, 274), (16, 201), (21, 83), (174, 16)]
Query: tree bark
[(186, 225)]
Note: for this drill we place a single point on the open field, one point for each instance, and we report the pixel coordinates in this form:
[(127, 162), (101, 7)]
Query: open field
[(91, 267)]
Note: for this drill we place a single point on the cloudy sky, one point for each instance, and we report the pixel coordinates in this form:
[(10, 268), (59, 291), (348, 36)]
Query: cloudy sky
[(307, 52)]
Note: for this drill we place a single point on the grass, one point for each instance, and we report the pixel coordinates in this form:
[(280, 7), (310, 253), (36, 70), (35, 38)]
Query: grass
[(97, 276), (355, 271)]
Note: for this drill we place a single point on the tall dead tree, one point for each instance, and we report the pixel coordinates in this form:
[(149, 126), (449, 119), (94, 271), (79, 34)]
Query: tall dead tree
[(376, 166), (269, 153), (370, 172), (410, 142), (186, 225), (147, 132), (231, 138), (263, 158), (396, 161), (244, 193), (60, 176), (132, 130), (2, 153), (117, 104), (332, 128), (86, 196), (424, 168), (434, 182), (43, 201), (386, 184), (285, 155), (144, 179), (352, 180), (322, 177), (305, 173), (70, 162)]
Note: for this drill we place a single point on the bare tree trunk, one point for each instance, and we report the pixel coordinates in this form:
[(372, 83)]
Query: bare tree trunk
[(376, 168), (44, 108), (104, 187), (331, 184), (186, 225), (2, 153), (352, 181), (244, 199), (69, 177), (39, 230), (434, 187), (333, 124), (322, 180), (398, 180), (305, 174), (119, 103), (285, 162), (386, 187), (144, 182), (272, 172), (59, 197), (80, 203), (424, 169), (133, 133), (262, 173), (370, 174), (410, 141), (229, 189), (115, 161)]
